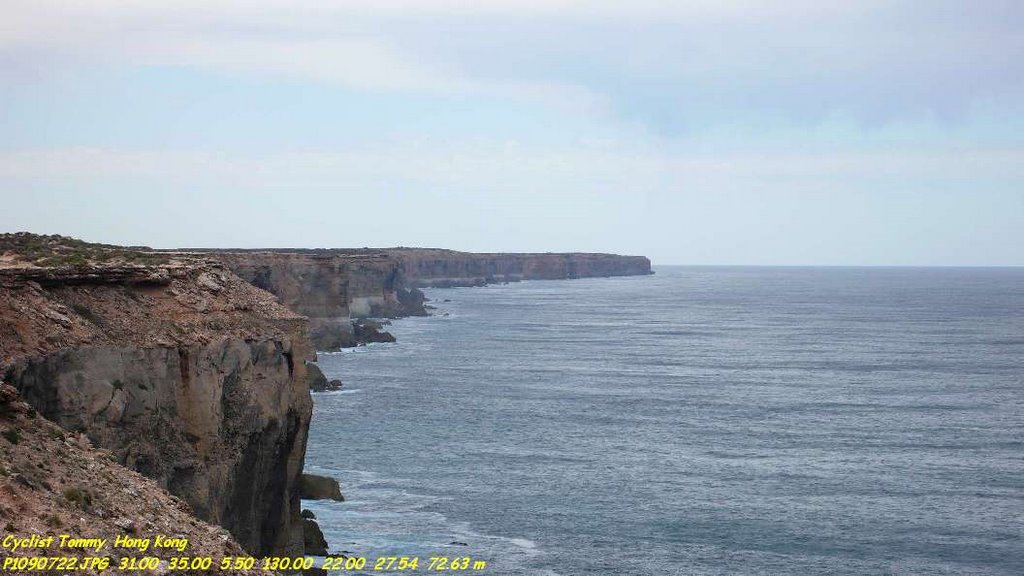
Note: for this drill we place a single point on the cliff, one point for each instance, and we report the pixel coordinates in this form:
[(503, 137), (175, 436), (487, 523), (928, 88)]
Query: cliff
[(446, 268), (182, 370), (54, 482), (329, 287), (334, 286)]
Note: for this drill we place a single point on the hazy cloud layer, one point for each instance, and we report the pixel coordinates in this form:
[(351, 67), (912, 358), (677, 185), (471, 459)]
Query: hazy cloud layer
[(664, 62), (565, 124)]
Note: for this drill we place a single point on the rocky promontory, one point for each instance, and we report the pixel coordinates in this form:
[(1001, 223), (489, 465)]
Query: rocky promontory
[(182, 370), (446, 268)]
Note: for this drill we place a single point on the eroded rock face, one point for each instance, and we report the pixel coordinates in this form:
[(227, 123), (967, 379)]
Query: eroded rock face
[(53, 481), (220, 425), (198, 383), (329, 287)]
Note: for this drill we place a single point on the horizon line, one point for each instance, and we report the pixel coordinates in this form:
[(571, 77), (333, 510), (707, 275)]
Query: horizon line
[(654, 265)]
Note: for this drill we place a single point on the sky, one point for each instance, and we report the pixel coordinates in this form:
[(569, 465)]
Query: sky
[(693, 132)]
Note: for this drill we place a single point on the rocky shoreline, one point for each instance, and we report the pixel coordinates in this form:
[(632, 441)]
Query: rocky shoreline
[(194, 368)]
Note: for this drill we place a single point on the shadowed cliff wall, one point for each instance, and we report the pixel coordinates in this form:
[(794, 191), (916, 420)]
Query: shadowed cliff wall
[(328, 287)]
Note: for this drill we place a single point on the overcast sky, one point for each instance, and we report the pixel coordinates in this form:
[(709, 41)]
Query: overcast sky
[(693, 132)]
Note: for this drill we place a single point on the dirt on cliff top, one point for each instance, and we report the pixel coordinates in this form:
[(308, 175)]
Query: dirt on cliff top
[(57, 292), (53, 482)]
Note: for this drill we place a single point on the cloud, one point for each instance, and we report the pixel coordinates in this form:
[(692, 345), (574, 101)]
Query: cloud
[(939, 208), (332, 43), (507, 167), (675, 67), (694, 131)]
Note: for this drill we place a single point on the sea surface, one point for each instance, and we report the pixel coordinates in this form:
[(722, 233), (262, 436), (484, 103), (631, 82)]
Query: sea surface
[(698, 421)]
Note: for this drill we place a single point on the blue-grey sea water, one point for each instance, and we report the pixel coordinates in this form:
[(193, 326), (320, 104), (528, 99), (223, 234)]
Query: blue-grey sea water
[(698, 421)]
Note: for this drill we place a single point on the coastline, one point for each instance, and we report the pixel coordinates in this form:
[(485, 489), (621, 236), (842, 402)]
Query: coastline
[(163, 358)]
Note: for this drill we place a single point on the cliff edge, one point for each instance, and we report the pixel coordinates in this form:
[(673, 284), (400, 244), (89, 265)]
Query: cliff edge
[(331, 288), (446, 268), (182, 370), (335, 286)]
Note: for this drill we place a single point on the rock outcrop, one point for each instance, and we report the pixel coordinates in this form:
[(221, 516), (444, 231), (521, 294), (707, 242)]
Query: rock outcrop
[(369, 331), (183, 371), (315, 543), (54, 482), (318, 382), (321, 488)]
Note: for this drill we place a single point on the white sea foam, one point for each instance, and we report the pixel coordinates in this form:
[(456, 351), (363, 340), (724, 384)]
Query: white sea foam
[(524, 543)]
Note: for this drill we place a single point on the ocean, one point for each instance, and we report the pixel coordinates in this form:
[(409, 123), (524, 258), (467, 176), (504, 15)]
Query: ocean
[(704, 420)]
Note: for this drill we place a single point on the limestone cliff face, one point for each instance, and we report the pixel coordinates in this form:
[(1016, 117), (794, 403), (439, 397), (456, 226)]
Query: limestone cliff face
[(443, 268), (334, 286), (55, 482), (375, 285), (330, 287), (218, 425), (316, 286), (185, 372)]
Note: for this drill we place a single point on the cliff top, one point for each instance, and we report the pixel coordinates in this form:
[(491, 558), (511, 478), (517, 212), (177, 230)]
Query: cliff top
[(57, 292), (28, 250), (383, 252)]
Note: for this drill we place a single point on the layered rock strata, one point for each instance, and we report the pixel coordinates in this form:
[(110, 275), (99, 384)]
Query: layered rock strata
[(183, 371), (446, 268), (330, 288), (334, 286)]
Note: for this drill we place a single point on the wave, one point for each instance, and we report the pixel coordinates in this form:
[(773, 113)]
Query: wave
[(381, 518)]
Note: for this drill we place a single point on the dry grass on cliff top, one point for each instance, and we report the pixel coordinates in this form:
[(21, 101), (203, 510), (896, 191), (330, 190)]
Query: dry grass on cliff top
[(191, 302), (26, 249), (54, 482)]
